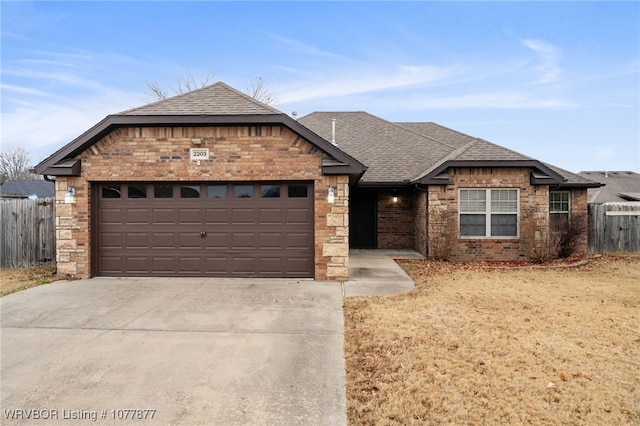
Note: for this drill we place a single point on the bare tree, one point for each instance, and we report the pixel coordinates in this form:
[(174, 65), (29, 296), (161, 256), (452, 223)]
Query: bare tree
[(259, 91), (257, 88), (14, 164), (183, 84)]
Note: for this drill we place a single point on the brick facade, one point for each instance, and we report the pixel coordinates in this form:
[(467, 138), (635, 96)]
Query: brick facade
[(395, 220), (237, 153), (533, 219)]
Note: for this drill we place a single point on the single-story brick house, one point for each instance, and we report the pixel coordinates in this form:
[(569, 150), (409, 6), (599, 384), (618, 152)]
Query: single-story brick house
[(215, 183)]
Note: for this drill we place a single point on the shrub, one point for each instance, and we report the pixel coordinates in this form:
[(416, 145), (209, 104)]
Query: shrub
[(442, 233)]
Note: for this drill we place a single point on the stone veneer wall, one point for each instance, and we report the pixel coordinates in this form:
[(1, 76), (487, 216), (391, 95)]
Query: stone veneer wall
[(420, 234), (237, 153)]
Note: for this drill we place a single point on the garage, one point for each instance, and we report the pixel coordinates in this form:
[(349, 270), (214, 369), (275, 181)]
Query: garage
[(228, 229)]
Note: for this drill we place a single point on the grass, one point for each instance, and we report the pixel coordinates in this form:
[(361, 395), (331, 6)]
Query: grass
[(474, 344), (12, 280)]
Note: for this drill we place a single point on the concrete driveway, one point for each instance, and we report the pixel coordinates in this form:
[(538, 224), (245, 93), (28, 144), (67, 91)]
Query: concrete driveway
[(188, 351)]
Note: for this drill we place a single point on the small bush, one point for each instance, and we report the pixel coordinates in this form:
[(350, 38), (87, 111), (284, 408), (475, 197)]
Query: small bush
[(442, 234), (568, 235)]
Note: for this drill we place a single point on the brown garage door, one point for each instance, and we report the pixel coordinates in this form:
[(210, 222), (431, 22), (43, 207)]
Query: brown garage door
[(204, 229)]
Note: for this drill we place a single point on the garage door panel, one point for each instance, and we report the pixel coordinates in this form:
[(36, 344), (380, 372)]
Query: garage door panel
[(164, 240), (299, 240), (110, 240), (137, 264), (272, 216), (270, 265), (163, 265), (225, 236), (244, 216), (138, 216), (298, 265), (243, 240), (111, 264), (137, 240), (190, 216), (270, 240), (301, 216), (217, 240), (111, 216), (217, 216), (164, 216), (216, 265), (242, 265)]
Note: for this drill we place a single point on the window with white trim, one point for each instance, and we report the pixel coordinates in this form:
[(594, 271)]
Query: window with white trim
[(489, 212), (559, 204)]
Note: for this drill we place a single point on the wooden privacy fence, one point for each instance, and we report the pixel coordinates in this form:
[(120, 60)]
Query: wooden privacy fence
[(28, 232), (614, 228)]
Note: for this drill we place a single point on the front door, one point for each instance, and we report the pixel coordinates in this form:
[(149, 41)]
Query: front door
[(362, 219)]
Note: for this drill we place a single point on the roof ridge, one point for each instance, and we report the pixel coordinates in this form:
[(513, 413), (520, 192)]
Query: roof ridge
[(422, 134), (453, 154), (220, 84)]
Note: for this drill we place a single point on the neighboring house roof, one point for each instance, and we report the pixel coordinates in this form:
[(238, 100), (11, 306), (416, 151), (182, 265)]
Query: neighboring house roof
[(25, 188), (217, 104), (618, 186)]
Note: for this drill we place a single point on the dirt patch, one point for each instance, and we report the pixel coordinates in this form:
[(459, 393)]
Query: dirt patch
[(12, 280), (479, 344)]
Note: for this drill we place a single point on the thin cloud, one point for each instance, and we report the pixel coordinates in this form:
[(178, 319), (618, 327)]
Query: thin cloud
[(300, 47), (22, 90), (548, 58), (361, 81)]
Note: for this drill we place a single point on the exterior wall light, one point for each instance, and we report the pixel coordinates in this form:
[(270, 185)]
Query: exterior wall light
[(196, 141), (395, 196), (331, 197), (70, 196)]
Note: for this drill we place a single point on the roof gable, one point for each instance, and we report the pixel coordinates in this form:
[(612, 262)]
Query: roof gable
[(216, 99), (392, 153), (215, 105)]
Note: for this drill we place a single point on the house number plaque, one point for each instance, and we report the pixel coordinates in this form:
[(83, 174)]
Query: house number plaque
[(197, 154)]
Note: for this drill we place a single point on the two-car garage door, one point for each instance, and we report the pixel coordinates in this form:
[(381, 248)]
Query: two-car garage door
[(204, 229)]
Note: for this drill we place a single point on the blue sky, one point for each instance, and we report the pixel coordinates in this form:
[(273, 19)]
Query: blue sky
[(558, 81)]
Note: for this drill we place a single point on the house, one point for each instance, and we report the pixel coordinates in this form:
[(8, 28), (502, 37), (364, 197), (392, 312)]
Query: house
[(623, 186), (215, 183), (27, 188)]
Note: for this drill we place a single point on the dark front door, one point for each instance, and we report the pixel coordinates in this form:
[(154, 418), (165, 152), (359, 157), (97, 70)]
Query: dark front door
[(362, 219)]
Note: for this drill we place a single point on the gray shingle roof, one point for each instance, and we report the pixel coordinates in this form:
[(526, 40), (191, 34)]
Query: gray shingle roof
[(391, 152), (407, 151), (619, 186), (216, 99), (24, 188), (444, 134)]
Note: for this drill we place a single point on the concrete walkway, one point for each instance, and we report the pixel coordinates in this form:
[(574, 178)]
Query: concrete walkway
[(374, 272)]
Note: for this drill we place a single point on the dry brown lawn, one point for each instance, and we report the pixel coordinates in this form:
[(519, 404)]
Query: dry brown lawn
[(12, 280), (475, 344)]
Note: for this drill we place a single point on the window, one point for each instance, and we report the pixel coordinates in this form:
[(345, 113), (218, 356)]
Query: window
[(558, 208), (489, 212), (187, 191), (112, 191), (163, 191), (217, 191), (243, 191), (297, 191), (270, 191), (137, 191)]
